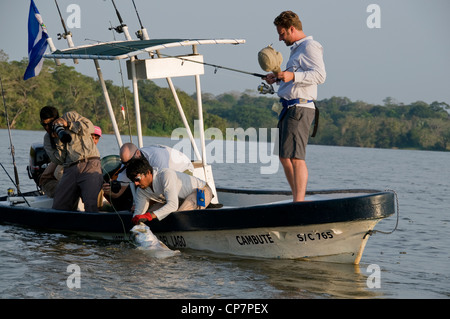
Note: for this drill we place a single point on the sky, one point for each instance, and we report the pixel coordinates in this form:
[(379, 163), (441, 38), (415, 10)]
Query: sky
[(398, 49)]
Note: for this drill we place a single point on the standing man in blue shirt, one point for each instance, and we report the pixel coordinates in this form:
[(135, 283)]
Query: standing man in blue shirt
[(298, 91)]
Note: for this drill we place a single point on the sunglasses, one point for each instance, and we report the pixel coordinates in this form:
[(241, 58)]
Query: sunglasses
[(126, 163), (47, 124), (137, 178)]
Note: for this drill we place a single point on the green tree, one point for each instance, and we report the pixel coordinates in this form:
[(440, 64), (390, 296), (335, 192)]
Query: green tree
[(342, 122)]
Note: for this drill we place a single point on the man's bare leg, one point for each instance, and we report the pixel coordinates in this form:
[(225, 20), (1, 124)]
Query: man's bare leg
[(297, 175), (300, 179), (288, 171)]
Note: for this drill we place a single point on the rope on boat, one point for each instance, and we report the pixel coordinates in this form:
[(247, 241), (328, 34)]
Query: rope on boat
[(371, 232)]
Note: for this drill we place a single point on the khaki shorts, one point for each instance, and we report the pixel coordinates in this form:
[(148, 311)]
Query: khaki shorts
[(294, 132), (190, 202)]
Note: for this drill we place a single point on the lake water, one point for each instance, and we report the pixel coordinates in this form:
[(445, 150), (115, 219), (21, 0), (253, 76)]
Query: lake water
[(414, 261)]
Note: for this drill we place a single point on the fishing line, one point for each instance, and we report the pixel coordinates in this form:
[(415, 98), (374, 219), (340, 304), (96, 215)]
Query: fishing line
[(17, 186), (217, 66), (126, 237)]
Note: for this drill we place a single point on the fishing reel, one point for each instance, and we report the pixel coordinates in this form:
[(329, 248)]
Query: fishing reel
[(64, 35), (265, 88), (119, 29)]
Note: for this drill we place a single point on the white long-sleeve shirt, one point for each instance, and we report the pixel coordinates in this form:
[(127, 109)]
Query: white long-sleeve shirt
[(168, 187), (161, 156), (306, 61)]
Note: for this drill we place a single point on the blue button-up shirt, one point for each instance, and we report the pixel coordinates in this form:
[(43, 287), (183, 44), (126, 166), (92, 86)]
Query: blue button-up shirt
[(306, 61)]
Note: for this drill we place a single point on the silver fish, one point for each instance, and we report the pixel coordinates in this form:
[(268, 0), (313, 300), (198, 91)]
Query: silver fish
[(146, 240)]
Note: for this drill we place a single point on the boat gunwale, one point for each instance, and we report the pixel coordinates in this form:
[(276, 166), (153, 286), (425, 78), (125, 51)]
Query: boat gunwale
[(290, 214), (368, 205)]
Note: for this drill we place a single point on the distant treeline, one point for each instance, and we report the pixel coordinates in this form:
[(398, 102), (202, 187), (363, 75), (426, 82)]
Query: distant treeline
[(342, 122)]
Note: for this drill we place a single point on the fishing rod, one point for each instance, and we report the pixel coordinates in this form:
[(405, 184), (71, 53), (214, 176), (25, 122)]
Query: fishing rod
[(123, 109), (122, 28), (263, 88), (142, 33), (217, 66), (16, 175), (67, 34)]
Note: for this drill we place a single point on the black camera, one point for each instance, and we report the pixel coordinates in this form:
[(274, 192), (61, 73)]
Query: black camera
[(62, 134), (115, 186)]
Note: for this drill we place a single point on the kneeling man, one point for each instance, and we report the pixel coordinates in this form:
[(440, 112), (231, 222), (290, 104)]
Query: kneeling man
[(160, 191)]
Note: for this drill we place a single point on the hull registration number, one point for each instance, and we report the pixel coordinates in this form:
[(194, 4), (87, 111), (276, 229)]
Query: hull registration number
[(325, 235)]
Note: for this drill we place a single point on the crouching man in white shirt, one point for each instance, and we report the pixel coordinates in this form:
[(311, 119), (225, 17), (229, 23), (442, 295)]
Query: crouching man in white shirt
[(159, 191)]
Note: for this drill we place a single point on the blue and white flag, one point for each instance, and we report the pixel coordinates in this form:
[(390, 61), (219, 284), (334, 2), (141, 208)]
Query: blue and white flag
[(37, 42)]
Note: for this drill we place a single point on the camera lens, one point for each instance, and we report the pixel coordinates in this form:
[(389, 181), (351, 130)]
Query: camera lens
[(62, 134), (115, 186)]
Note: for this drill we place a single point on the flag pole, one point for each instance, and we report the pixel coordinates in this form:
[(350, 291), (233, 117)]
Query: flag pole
[(53, 49), (37, 42)]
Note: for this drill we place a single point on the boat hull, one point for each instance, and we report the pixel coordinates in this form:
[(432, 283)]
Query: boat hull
[(335, 242), (331, 226)]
